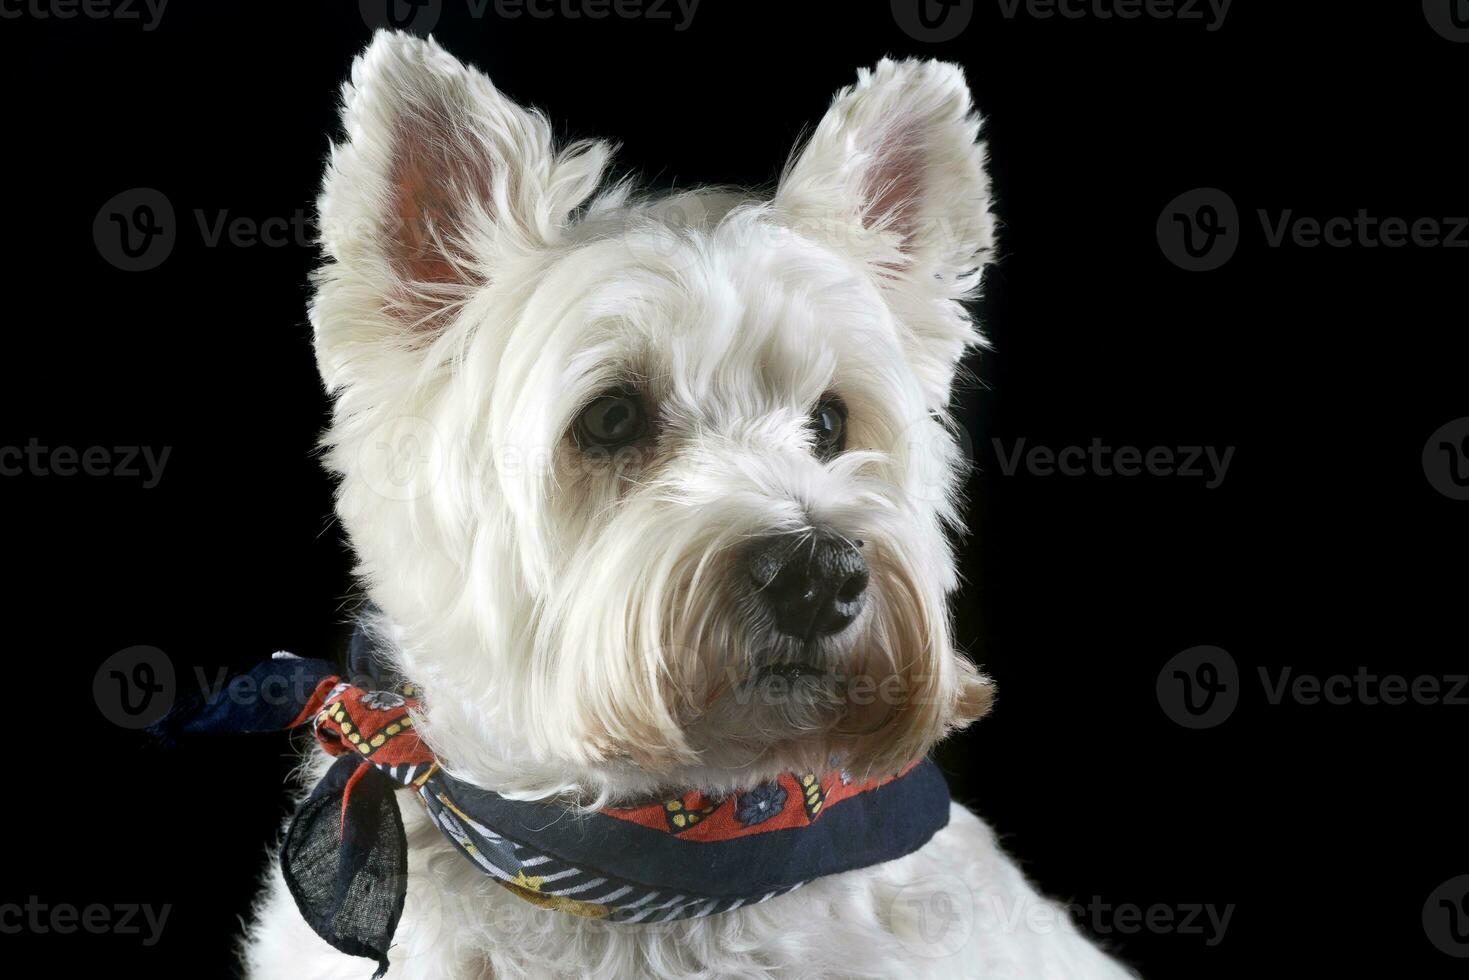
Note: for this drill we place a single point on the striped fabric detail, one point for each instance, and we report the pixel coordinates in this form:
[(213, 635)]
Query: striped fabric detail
[(548, 881)]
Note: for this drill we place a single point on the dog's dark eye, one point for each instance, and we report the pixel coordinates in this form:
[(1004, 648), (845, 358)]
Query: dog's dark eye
[(611, 421), (829, 423)]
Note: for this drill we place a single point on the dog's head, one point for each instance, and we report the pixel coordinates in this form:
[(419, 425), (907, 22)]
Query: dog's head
[(658, 489)]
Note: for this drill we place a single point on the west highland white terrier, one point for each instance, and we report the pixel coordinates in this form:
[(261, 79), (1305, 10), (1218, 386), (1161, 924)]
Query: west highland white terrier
[(651, 496)]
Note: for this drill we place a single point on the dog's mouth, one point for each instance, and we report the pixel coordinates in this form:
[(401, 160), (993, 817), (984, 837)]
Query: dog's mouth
[(800, 690), (792, 672)]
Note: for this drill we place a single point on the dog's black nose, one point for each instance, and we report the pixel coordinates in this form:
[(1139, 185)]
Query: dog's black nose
[(811, 584)]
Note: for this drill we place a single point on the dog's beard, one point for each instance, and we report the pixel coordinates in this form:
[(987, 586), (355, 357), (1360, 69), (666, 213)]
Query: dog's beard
[(666, 651), (870, 698)]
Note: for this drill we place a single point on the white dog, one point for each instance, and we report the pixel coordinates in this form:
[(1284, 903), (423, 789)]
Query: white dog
[(643, 490)]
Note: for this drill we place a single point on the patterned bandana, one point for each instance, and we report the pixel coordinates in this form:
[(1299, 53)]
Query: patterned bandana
[(345, 856)]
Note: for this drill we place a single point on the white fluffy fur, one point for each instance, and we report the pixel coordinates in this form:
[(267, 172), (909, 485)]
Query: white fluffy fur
[(577, 623)]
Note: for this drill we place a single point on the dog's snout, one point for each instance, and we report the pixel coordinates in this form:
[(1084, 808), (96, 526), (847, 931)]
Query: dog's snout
[(811, 584)]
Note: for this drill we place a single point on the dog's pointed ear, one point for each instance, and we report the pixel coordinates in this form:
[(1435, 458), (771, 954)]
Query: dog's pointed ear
[(894, 175), (437, 180)]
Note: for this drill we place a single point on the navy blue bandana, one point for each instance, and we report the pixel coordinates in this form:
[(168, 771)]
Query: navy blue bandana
[(345, 856)]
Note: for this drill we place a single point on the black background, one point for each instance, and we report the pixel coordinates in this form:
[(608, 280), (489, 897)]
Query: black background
[(1324, 549)]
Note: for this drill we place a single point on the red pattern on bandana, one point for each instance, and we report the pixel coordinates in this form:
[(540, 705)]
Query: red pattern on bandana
[(374, 725), (789, 801)]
